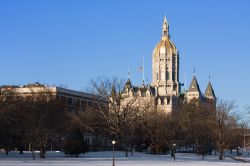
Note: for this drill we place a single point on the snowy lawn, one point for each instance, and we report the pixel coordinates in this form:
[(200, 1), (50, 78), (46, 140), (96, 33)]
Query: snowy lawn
[(105, 159)]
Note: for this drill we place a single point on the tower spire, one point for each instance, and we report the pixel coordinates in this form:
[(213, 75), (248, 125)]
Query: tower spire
[(165, 28), (128, 74)]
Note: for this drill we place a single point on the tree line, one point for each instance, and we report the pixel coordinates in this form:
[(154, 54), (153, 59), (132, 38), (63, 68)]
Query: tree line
[(198, 126), (39, 120)]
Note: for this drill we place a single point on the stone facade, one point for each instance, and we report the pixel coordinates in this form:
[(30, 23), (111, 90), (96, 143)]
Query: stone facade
[(165, 88)]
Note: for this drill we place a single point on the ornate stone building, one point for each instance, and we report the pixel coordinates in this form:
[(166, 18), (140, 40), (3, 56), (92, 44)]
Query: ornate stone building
[(165, 88)]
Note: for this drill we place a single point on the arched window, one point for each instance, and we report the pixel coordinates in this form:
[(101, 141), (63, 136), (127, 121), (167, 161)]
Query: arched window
[(167, 75), (173, 76)]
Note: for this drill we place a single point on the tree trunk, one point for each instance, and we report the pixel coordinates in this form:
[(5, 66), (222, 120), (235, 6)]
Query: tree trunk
[(221, 157), (42, 150), (6, 151), (33, 153)]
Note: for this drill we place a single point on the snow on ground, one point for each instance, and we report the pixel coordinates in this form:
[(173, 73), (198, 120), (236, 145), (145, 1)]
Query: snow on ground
[(105, 159)]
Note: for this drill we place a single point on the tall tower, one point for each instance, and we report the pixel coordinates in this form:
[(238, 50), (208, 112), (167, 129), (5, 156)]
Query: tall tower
[(165, 65)]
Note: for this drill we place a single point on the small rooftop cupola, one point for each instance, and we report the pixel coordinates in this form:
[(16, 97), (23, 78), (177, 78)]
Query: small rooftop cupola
[(209, 93), (165, 28)]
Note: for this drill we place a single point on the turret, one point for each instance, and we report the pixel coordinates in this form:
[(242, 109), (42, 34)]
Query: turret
[(209, 93), (194, 91)]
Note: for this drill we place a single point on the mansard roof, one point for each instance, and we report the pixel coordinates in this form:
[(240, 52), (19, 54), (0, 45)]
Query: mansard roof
[(194, 86)]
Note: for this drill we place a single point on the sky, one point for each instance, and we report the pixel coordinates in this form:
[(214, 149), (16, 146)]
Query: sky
[(68, 42)]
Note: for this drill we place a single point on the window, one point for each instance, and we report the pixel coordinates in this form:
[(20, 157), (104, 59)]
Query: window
[(173, 76), (77, 103), (83, 105), (93, 141), (69, 101), (90, 104), (168, 101), (162, 102), (63, 100), (87, 140)]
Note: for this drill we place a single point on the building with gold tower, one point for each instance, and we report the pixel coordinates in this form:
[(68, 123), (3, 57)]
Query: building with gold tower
[(165, 88)]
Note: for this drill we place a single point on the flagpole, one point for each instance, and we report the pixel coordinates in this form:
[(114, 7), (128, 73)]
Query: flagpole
[(143, 69), (185, 82)]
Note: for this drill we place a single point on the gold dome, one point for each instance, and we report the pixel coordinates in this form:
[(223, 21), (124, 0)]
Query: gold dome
[(165, 45)]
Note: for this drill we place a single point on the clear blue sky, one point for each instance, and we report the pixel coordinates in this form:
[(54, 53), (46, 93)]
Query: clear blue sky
[(69, 42)]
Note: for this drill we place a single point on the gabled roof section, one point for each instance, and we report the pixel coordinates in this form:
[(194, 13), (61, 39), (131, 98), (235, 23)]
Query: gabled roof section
[(194, 86), (209, 91)]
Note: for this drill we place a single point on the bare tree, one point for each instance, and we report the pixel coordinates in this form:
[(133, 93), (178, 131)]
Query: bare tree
[(226, 119), (195, 119), (32, 117), (122, 111), (156, 127)]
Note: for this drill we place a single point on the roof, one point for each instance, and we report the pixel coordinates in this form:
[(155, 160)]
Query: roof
[(143, 89), (194, 86), (128, 83), (209, 91), (166, 44)]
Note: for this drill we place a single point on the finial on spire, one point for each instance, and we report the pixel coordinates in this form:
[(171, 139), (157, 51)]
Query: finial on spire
[(194, 71), (165, 32), (165, 20), (209, 77), (128, 74)]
